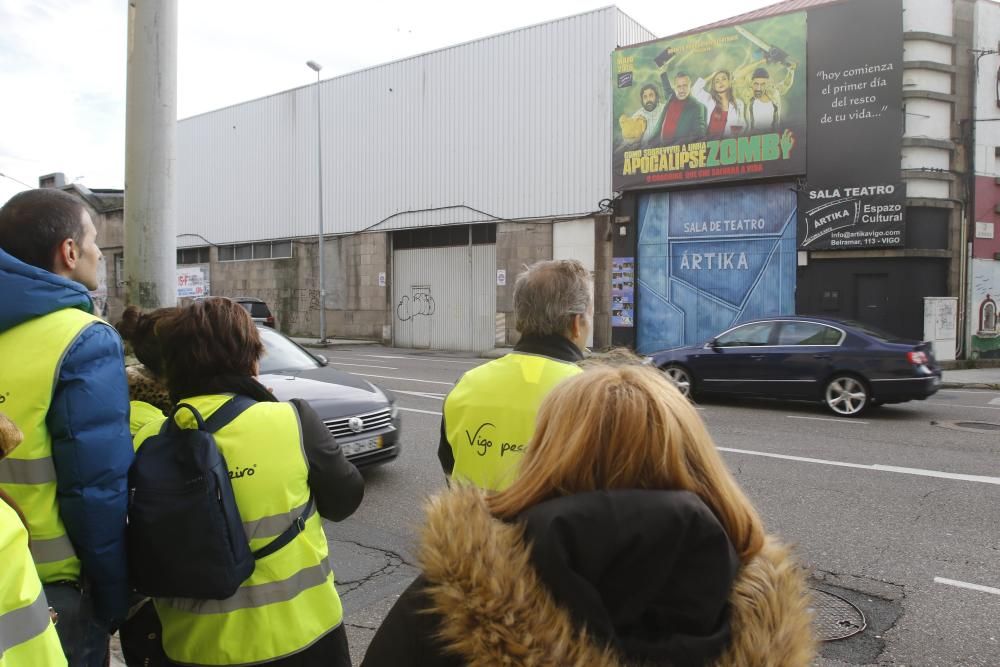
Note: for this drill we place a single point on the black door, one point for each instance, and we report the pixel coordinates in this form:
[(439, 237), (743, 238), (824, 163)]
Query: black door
[(872, 292)]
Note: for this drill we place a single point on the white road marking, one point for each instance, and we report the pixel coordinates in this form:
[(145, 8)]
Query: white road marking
[(421, 394), (435, 359), (337, 362), (829, 419), (995, 401), (391, 377), (426, 412), (964, 584), (982, 479)]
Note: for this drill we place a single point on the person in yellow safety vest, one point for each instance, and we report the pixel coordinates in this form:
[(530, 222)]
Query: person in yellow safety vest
[(489, 416), (27, 635), (63, 383), (288, 611)]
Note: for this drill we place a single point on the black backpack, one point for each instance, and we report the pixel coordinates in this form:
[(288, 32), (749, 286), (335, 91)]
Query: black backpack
[(184, 535)]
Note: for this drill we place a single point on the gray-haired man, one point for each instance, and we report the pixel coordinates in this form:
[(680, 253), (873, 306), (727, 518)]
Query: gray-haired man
[(489, 416)]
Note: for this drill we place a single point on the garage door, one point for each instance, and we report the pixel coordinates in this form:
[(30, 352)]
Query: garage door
[(445, 298)]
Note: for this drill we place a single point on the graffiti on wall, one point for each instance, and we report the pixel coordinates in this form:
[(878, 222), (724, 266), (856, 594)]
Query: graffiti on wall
[(421, 303)]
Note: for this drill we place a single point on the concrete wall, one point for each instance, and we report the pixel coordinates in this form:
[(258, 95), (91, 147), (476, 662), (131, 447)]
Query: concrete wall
[(356, 306), (518, 245)]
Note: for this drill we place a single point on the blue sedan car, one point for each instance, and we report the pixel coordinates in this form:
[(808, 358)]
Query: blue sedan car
[(847, 366)]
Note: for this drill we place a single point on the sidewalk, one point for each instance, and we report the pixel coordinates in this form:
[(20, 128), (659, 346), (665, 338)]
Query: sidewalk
[(973, 378), (332, 342)]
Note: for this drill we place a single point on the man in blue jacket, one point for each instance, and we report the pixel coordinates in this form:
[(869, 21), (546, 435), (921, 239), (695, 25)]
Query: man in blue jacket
[(62, 381)]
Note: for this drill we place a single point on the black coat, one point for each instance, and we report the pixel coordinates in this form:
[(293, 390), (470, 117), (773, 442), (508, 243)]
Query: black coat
[(604, 579)]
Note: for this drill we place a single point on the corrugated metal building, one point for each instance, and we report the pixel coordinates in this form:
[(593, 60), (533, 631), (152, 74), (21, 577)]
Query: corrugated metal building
[(447, 171)]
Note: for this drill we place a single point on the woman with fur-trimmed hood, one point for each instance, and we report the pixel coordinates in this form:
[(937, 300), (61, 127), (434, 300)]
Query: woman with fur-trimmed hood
[(625, 541)]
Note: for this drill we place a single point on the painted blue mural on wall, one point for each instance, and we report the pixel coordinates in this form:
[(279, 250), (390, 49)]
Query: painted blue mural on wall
[(711, 258)]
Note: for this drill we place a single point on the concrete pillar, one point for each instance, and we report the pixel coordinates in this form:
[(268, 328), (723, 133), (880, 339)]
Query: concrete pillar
[(151, 154)]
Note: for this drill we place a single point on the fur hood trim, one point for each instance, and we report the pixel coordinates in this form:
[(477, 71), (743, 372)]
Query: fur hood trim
[(495, 610)]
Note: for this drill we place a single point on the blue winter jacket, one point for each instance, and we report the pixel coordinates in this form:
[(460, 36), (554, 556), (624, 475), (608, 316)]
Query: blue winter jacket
[(88, 421)]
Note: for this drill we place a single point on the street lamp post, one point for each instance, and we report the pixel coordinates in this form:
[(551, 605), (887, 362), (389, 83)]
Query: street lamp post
[(316, 67)]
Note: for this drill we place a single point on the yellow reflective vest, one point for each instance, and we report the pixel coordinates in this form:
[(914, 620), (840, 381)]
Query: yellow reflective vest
[(28, 474), (489, 416), (27, 636), (290, 600)]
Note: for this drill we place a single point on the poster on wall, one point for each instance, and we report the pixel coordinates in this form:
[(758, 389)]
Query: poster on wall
[(853, 197), (191, 282), (623, 291), (725, 104), (711, 258)]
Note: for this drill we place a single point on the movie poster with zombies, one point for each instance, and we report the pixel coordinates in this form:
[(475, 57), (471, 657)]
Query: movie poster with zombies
[(725, 104)]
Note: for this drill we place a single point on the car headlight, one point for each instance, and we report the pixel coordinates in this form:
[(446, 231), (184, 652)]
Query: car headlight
[(393, 411), (647, 361)]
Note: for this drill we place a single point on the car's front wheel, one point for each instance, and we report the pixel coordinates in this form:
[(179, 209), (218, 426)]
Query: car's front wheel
[(846, 396), (680, 377)]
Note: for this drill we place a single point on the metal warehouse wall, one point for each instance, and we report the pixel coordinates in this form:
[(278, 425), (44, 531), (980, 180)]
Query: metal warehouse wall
[(514, 126)]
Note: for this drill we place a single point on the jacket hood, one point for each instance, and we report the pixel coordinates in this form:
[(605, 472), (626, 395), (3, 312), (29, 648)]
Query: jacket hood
[(31, 292), (609, 579)]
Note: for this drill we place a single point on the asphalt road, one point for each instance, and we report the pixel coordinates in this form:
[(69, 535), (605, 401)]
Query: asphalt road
[(897, 512)]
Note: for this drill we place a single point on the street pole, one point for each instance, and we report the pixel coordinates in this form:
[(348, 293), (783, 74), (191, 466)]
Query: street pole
[(316, 67), (151, 154)]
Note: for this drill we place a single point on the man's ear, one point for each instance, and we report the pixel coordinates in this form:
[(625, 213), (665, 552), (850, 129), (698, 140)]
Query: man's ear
[(66, 256)]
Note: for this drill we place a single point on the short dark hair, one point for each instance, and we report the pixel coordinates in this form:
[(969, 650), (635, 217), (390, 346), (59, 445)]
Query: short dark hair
[(649, 86), (682, 74), (211, 338), (34, 223), (760, 73)]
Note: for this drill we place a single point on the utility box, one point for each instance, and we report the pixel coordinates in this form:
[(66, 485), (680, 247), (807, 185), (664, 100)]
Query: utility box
[(941, 325)]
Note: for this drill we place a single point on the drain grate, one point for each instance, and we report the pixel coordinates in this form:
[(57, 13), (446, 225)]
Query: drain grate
[(834, 617), (979, 426)]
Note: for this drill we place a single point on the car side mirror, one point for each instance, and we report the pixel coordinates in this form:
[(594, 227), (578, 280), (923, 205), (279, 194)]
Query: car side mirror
[(714, 344), (323, 361)]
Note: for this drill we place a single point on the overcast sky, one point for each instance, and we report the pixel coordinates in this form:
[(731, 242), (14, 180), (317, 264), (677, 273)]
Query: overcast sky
[(62, 62)]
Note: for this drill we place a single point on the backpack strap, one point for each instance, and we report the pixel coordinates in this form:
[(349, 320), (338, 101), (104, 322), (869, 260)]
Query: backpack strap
[(281, 540), (229, 411)]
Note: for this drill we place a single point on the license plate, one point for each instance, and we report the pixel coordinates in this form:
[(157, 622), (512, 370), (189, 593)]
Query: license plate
[(361, 446)]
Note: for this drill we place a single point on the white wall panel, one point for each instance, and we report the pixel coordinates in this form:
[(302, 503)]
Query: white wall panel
[(919, 157), (928, 16), (925, 79), (574, 239), (923, 50), (928, 188), (513, 126), (928, 118), (445, 298), (987, 26)]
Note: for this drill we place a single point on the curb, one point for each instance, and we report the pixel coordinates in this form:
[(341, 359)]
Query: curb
[(496, 353), (971, 385), (333, 343)]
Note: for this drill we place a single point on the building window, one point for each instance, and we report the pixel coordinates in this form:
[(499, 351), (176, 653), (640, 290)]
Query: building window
[(193, 255), (440, 237), (259, 250), (119, 269)]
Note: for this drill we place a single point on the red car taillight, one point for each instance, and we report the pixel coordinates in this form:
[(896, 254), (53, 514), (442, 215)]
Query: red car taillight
[(269, 321), (916, 358)]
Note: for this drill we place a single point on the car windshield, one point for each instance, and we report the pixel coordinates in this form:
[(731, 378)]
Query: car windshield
[(282, 355)]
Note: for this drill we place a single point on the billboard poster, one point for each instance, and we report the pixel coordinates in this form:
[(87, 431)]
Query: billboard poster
[(725, 104), (191, 282), (623, 291), (853, 197), (711, 258)]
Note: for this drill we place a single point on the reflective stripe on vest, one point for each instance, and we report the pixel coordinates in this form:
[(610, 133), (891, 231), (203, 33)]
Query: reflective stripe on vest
[(290, 600), (27, 636), (32, 355), (489, 416)]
